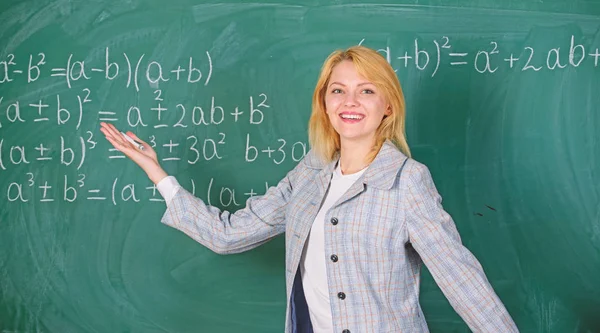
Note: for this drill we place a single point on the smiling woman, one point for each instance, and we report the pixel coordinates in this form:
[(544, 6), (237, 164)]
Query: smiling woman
[(355, 108), (357, 86), (360, 215)]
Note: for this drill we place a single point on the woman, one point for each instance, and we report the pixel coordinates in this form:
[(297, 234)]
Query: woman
[(359, 215)]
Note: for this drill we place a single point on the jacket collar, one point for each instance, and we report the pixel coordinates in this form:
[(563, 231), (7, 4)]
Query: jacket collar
[(381, 173)]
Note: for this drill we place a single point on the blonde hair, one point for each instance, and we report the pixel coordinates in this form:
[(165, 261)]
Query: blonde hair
[(323, 138)]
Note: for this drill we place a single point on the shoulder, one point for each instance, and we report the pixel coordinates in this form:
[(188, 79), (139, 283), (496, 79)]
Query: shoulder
[(418, 182), (393, 169), (414, 174), (313, 161), (415, 169), (307, 167)]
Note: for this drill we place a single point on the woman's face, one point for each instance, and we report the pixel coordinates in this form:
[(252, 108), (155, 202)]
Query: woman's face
[(354, 105)]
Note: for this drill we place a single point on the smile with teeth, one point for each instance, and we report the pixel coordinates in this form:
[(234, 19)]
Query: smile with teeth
[(352, 116)]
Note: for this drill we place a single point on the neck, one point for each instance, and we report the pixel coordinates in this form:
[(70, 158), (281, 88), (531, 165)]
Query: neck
[(353, 155)]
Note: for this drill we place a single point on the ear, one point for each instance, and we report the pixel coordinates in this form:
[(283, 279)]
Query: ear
[(388, 111)]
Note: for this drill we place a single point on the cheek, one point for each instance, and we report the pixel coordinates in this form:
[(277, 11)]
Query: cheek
[(331, 103), (379, 105)]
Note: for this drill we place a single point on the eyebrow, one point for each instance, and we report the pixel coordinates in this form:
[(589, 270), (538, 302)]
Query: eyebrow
[(341, 84)]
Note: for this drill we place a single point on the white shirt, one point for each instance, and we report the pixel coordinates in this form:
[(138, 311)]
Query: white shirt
[(313, 260), (168, 187)]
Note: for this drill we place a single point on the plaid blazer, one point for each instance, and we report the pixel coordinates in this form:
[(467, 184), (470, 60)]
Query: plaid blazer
[(381, 230)]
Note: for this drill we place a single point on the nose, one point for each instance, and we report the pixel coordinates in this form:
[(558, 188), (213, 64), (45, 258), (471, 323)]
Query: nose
[(351, 100)]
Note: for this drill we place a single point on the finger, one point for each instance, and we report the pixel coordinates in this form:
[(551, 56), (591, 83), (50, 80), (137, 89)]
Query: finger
[(115, 144), (117, 135), (108, 126), (136, 138), (108, 130), (139, 144), (145, 144), (122, 147), (108, 133)]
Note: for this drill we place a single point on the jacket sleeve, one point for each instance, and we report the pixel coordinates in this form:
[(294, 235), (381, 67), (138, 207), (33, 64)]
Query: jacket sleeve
[(223, 232), (455, 269)]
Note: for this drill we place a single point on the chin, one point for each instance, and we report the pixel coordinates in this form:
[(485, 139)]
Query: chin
[(353, 137)]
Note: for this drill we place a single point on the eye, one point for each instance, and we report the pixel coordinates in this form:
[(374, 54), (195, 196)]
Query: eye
[(336, 91), (368, 91)]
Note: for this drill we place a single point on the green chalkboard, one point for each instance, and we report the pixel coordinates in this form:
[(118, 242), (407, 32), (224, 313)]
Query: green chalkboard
[(502, 105)]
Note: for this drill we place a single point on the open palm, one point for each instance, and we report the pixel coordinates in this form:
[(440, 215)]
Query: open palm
[(146, 158)]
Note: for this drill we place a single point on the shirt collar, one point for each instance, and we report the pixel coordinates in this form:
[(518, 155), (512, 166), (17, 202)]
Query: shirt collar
[(381, 173)]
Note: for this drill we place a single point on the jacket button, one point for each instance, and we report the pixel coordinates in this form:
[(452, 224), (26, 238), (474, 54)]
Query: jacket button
[(334, 220), (346, 331), (334, 258), (341, 295)]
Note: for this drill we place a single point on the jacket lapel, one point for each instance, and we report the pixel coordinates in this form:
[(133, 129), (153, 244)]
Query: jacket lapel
[(354, 190), (324, 178), (381, 173)]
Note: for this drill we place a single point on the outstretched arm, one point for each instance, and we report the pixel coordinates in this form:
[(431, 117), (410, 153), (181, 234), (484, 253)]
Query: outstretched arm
[(433, 235), (223, 232)]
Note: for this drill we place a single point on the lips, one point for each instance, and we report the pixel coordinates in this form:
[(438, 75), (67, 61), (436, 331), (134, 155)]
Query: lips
[(351, 117)]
